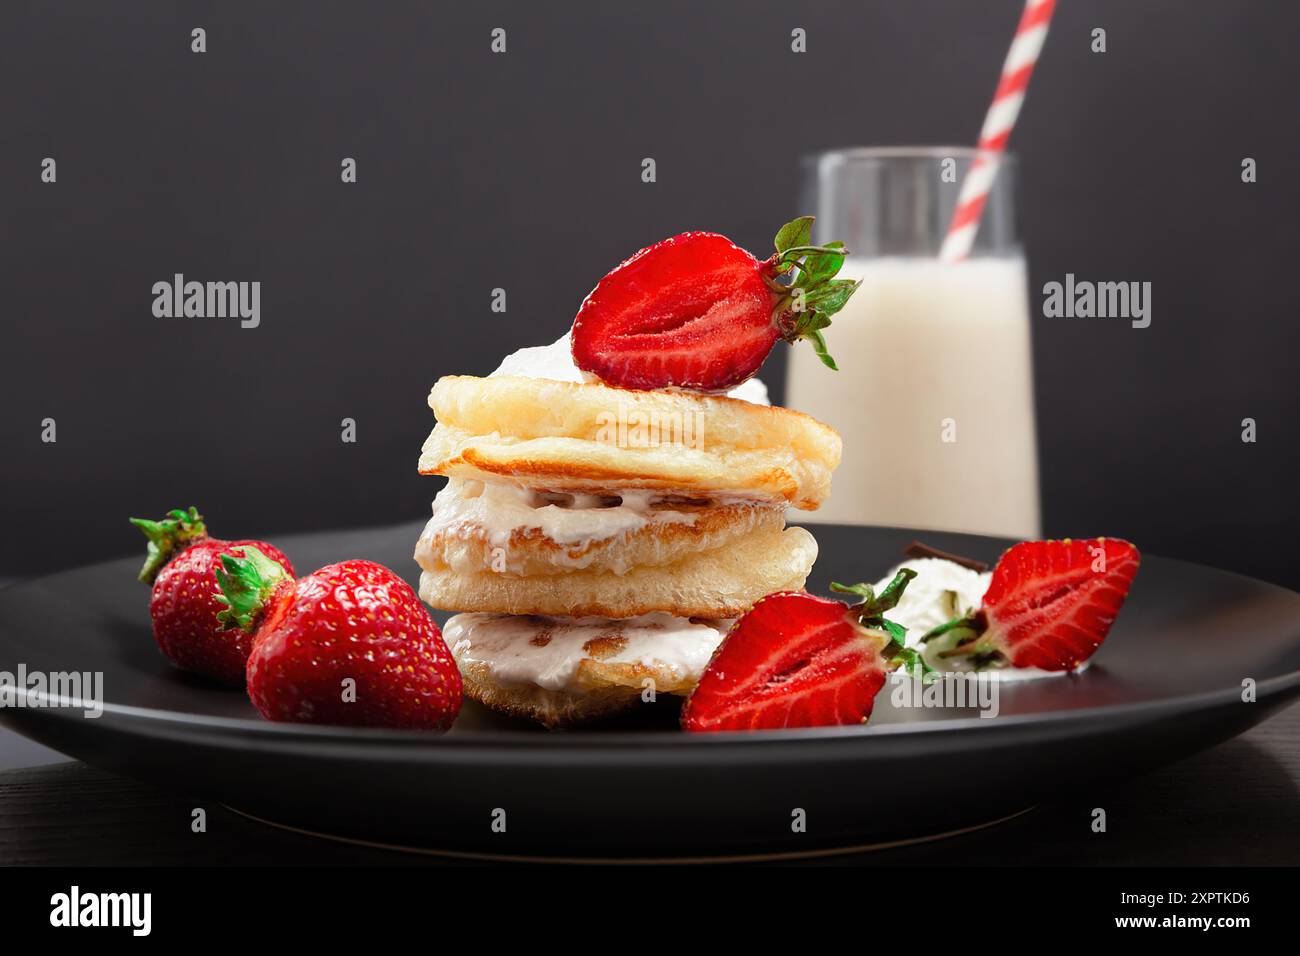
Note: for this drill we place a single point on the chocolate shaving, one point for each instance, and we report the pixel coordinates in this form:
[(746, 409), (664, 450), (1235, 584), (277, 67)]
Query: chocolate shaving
[(919, 550)]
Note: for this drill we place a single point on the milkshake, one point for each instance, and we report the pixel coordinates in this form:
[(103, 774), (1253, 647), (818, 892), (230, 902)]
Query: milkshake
[(934, 397)]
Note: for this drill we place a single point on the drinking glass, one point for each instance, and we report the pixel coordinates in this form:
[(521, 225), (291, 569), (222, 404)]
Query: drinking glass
[(934, 397)]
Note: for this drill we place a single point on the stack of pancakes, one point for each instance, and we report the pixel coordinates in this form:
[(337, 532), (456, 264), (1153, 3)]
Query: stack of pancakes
[(602, 539)]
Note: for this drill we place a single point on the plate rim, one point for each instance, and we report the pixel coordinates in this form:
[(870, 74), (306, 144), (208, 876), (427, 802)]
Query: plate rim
[(313, 734)]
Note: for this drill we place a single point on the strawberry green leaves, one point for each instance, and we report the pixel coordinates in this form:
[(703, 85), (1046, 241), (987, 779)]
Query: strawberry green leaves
[(796, 232), (961, 638), (871, 613), (961, 628), (168, 537), (812, 294), (874, 605), (245, 585), (824, 265)]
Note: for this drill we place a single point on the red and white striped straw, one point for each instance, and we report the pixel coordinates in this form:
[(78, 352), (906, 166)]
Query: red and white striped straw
[(998, 123)]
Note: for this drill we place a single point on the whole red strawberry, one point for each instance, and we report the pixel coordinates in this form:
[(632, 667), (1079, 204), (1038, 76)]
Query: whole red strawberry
[(348, 644), (181, 565), (1049, 605), (697, 311), (796, 660)]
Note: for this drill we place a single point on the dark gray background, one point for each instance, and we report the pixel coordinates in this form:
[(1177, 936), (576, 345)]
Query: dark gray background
[(522, 171)]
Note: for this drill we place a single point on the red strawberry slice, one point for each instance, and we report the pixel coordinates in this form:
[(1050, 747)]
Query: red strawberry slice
[(796, 660), (697, 311), (1049, 605)]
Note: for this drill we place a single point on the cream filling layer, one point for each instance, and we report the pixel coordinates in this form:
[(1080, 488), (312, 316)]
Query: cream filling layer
[(501, 509), (548, 652)]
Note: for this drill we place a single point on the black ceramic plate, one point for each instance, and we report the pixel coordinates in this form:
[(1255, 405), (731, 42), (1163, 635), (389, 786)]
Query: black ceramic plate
[(1167, 682)]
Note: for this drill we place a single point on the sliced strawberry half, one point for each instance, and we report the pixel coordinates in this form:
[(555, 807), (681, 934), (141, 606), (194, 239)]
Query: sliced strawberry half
[(697, 311), (796, 660), (1049, 605)]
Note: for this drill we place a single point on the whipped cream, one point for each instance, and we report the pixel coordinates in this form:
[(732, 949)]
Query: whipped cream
[(941, 591), (547, 652), (555, 363)]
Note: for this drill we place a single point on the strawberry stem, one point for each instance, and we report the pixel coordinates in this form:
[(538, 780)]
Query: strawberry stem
[(168, 537), (804, 305), (911, 661), (871, 613), (245, 586), (966, 634), (888, 599), (967, 622)]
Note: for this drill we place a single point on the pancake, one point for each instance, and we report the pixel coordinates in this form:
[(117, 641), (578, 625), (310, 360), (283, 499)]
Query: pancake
[(587, 437), (720, 583), (479, 526), (563, 671), (550, 708)]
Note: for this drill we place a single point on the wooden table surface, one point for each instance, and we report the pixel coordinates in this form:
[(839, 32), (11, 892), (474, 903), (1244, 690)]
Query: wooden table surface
[(1237, 804)]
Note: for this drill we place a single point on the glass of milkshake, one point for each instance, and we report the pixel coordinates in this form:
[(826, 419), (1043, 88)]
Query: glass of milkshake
[(934, 397)]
